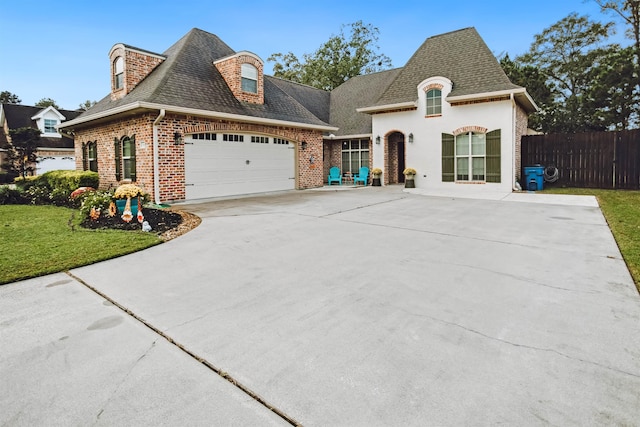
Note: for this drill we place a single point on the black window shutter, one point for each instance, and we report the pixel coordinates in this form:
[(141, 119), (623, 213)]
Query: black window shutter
[(133, 158), (117, 147), (493, 156), (85, 156), (448, 157)]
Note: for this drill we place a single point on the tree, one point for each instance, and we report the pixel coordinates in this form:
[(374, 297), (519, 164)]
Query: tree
[(567, 54), (336, 61), (536, 84), (21, 151), (86, 105), (629, 11), (47, 102), (7, 97)]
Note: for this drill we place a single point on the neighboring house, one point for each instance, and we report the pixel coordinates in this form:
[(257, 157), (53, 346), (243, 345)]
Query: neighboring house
[(201, 120), (54, 151)]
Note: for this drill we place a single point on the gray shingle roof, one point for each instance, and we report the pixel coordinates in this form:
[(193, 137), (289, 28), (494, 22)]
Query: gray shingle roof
[(188, 78), (359, 91), (461, 56)]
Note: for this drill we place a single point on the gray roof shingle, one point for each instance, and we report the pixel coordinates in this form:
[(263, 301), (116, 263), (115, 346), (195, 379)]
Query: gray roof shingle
[(461, 56), (188, 78), (358, 91)]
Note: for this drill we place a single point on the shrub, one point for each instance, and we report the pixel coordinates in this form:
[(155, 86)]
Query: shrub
[(95, 199), (11, 196), (28, 182), (38, 194), (69, 180), (7, 177)]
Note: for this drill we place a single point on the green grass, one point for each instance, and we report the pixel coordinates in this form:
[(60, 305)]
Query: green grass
[(621, 208), (38, 240)]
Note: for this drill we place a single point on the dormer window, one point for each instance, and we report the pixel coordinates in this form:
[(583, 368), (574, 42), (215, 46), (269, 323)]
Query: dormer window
[(434, 102), (118, 73), (50, 125), (249, 78)]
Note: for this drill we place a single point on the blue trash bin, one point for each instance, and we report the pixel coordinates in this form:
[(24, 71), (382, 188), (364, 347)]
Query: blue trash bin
[(534, 177)]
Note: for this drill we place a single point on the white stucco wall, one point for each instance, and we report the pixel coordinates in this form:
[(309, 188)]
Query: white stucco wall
[(425, 153)]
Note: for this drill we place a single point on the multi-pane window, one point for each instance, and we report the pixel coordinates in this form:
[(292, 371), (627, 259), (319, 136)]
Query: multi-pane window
[(232, 137), (355, 154), (125, 158), (90, 156), (204, 136), (249, 75), (470, 156), (260, 139), (280, 141), (50, 125), (118, 73), (434, 102)]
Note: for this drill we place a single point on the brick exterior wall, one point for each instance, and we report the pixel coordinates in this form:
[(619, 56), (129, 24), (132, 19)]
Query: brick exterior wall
[(137, 66), (231, 70), (171, 157), (522, 124), (332, 156)]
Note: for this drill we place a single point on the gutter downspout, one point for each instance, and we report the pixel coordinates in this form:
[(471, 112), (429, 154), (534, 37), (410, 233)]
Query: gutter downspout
[(513, 136), (156, 157)]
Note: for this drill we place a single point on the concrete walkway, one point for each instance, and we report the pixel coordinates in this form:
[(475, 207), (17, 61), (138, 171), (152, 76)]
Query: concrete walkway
[(366, 307)]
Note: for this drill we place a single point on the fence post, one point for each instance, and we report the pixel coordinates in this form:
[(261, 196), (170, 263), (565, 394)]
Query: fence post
[(615, 156)]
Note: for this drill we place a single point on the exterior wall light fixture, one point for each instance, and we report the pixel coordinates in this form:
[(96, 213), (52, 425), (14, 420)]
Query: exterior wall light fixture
[(411, 138), (177, 138), (378, 139)]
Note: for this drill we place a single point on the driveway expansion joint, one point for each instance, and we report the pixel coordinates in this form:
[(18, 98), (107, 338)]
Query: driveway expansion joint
[(225, 375)]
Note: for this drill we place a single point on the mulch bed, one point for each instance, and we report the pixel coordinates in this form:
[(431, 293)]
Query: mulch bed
[(160, 220)]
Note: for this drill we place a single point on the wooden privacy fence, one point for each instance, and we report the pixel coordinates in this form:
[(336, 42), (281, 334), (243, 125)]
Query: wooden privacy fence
[(589, 160)]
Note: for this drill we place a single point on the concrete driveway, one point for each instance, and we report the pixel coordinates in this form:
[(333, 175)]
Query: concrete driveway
[(364, 307)]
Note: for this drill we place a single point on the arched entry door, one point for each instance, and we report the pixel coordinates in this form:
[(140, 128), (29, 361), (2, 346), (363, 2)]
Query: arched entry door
[(395, 158)]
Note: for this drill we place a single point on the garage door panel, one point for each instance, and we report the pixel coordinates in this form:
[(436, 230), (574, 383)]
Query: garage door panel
[(222, 168)]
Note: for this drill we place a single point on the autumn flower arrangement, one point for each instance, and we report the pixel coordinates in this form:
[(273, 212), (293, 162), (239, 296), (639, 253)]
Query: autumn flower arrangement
[(128, 192), (376, 171), (409, 171)]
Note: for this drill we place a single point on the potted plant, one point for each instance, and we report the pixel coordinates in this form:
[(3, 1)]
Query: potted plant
[(376, 172), (409, 174), (124, 195)]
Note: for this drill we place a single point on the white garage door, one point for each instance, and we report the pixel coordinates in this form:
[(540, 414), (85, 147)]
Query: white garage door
[(54, 163), (219, 165)]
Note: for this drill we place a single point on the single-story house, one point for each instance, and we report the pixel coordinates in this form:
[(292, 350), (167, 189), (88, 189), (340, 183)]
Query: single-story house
[(54, 150), (201, 120)]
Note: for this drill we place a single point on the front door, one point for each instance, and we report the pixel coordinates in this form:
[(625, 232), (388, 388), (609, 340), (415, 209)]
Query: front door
[(401, 161)]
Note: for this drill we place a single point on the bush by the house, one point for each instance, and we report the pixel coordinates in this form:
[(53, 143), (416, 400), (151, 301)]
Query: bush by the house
[(96, 200), (55, 187), (11, 196)]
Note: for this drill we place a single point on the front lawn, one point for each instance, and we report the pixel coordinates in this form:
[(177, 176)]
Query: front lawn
[(38, 240), (621, 208)]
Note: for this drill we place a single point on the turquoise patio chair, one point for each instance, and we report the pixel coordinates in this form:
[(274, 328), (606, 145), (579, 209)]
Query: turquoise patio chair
[(362, 176), (334, 175)]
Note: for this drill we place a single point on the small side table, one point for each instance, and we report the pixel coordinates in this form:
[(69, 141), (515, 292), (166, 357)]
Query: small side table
[(347, 178)]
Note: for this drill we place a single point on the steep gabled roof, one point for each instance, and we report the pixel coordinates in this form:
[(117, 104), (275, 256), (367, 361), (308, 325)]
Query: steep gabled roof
[(188, 79), (461, 56), (358, 91)]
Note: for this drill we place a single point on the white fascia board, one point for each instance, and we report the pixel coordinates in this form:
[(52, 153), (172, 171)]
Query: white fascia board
[(70, 150), (520, 93), (379, 108), (42, 112), (193, 112)]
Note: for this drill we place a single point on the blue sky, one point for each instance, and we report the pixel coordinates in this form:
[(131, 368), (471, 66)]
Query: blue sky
[(60, 50)]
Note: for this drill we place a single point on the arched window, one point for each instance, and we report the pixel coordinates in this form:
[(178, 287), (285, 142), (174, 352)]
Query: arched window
[(125, 156), (249, 78), (118, 73), (434, 102), (90, 156)]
